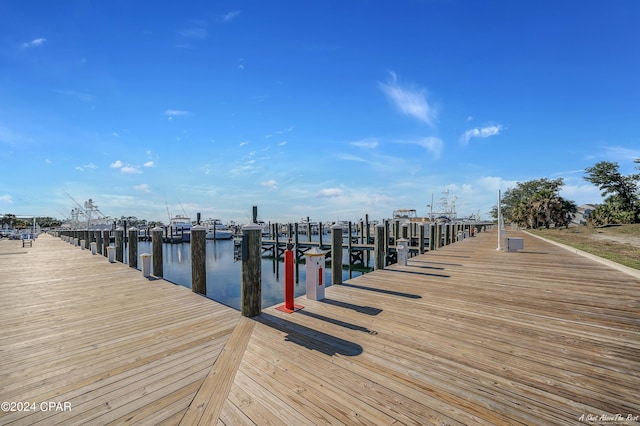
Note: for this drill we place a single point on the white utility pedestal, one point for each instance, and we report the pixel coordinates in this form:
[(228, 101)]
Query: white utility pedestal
[(146, 264), (403, 251), (314, 259)]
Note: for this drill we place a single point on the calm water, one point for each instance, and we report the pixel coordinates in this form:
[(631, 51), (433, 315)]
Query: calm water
[(224, 274)]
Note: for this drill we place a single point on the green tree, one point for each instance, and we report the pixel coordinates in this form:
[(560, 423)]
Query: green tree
[(622, 204), (537, 203)]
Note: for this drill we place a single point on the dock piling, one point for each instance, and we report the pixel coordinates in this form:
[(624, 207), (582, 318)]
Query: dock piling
[(133, 247), (251, 289), (198, 259), (120, 245), (156, 251), (336, 254), (379, 248)]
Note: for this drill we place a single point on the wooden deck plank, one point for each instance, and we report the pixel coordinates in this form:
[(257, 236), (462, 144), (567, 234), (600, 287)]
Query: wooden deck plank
[(115, 345), (461, 335), (208, 402)]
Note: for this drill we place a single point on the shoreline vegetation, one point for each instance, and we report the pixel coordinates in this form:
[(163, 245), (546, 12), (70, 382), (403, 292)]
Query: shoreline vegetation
[(618, 243)]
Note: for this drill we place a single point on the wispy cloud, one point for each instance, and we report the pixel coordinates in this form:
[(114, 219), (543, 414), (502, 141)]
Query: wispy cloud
[(230, 16), (149, 164), (143, 187), (171, 113), (350, 157), (280, 132), (89, 166), (270, 184), (619, 153), (130, 169), (34, 43), (6, 199), (366, 143), (411, 101), (194, 33), (432, 144), (84, 97), (12, 138), (481, 132), (243, 143), (330, 193)]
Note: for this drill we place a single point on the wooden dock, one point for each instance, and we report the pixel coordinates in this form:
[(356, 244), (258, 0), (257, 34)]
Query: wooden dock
[(462, 335)]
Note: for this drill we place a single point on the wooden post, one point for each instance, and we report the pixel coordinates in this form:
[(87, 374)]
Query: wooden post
[(432, 236), (447, 233), (98, 237), (133, 247), (421, 238), (404, 233), (366, 227), (336, 254), (349, 245), (320, 235), (386, 241), (120, 245), (251, 290), (156, 251), (254, 218), (379, 250), (105, 241), (308, 229), (276, 249), (198, 259)]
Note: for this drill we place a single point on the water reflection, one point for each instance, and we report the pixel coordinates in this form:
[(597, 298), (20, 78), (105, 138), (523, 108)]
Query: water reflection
[(224, 274)]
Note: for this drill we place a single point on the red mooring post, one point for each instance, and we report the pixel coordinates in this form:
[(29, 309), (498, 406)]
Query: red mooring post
[(288, 306)]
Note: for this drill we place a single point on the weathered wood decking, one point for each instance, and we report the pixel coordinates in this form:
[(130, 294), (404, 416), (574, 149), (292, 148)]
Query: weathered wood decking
[(462, 335)]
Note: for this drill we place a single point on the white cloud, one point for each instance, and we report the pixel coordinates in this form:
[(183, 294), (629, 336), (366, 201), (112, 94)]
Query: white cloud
[(230, 16), (89, 166), (176, 113), (330, 193), (243, 143), (366, 143), (34, 43), (84, 97), (350, 157), (270, 184), (46, 160), (130, 169), (432, 144), (619, 153), (143, 187), (283, 143), (149, 164), (116, 164), (194, 33), (410, 101), (6, 199), (481, 132)]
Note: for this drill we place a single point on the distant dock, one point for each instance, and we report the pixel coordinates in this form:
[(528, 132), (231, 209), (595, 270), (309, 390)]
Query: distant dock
[(464, 334)]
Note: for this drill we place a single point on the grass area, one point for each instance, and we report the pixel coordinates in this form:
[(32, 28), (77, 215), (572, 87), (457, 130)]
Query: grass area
[(619, 244)]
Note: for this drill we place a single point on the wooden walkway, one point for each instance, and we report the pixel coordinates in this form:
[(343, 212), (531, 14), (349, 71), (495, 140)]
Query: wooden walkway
[(462, 335)]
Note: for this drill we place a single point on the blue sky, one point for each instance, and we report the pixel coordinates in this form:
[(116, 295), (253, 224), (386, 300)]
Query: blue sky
[(328, 109)]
